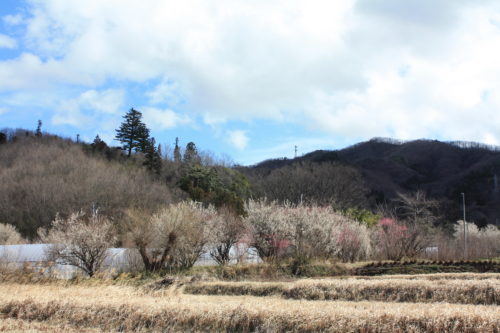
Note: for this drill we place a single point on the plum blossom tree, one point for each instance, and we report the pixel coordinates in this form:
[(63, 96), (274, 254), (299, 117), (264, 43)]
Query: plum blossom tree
[(305, 232), (224, 232), (79, 241)]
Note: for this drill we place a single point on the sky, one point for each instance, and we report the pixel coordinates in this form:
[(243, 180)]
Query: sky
[(250, 80)]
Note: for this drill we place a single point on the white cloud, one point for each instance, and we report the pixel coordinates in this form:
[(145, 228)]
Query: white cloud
[(107, 101), (71, 116), (13, 19), (158, 119), (238, 139), (7, 42), (29, 71), (166, 92), (353, 68), (2, 111), (88, 106)]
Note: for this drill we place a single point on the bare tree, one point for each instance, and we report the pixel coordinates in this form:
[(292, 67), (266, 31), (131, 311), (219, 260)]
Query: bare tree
[(174, 236), (320, 183), (416, 208), (153, 242), (79, 241)]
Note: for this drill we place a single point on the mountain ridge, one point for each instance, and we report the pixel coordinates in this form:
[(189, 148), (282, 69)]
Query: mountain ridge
[(443, 170)]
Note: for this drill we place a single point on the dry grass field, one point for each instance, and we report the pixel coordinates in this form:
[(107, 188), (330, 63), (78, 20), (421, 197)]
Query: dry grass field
[(465, 291), (102, 306)]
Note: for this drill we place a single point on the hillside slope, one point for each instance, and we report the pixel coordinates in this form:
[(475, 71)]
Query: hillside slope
[(40, 177), (443, 170)]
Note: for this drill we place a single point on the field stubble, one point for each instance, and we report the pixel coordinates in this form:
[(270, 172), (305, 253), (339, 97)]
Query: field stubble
[(111, 307), (464, 291)]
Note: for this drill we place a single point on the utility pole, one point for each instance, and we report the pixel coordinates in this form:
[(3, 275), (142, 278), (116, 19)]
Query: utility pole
[(495, 184), (465, 228), (295, 151)]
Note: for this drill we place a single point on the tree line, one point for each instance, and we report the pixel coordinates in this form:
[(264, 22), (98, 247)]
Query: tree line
[(288, 235)]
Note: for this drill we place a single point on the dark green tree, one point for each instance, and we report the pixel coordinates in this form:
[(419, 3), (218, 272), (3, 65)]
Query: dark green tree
[(3, 138), (133, 133), (152, 154), (191, 154), (158, 150), (99, 144), (200, 183), (218, 186), (177, 151), (39, 129)]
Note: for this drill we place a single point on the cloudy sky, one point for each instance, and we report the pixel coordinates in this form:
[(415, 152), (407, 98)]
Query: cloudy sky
[(252, 79)]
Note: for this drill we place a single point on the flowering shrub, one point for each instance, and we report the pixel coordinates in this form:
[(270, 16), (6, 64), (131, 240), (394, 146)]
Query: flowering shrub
[(79, 241), (270, 234), (9, 235), (225, 231), (304, 232), (481, 243), (395, 239), (353, 241)]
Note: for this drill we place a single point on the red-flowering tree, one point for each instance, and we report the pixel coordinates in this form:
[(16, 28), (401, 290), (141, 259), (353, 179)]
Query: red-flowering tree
[(395, 239)]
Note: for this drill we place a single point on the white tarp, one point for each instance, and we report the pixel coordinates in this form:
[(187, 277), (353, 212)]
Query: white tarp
[(119, 259)]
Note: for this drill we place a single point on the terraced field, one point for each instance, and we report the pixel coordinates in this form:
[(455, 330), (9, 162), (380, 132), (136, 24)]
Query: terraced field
[(425, 303), (401, 289)]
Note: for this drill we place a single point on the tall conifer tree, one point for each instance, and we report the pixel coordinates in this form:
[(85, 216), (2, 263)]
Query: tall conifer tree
[(133, 133), (153, 160), (38, 132), (177, 151)]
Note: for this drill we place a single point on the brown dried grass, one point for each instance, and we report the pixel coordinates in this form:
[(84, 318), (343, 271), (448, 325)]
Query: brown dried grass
[(126, 308), (431, 289), (431, 277), (19, 325)]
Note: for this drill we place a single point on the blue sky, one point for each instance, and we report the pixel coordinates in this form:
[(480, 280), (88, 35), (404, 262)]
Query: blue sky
[(251, 80)]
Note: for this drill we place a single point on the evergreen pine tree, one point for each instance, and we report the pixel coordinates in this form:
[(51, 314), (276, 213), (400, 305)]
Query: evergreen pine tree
[(153, 161), (191, 154), (177, 151), (99, 144), (157, 161), (39, 129), (158, 150), (133, 133)]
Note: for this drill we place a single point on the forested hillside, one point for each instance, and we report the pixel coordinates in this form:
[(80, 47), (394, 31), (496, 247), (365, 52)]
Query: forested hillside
[(42, 175), (372, 173)]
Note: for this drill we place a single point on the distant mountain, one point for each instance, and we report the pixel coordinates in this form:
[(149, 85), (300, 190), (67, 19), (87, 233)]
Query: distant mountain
[(442, 169)]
